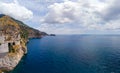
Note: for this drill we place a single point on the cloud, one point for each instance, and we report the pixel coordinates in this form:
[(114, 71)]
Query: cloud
[(66, 16), (59, 29), (15, 10), (60, 13), (90, 15), (80, 13), (112, 12), (110, 15)]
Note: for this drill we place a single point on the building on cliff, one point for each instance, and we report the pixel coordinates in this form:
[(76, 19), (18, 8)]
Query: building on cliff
[(6, 45), (3, 45)]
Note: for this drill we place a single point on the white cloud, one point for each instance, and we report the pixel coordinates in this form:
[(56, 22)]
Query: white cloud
[(75, 16), (87, 14), (60, 13), (15, 10), (80, 13), (72, 12)]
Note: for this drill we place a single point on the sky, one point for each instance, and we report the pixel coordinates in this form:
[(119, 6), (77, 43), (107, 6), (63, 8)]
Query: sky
[(66, 16)]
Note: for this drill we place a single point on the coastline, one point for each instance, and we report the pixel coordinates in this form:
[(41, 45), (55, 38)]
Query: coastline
[(11, 60), (14, 36)]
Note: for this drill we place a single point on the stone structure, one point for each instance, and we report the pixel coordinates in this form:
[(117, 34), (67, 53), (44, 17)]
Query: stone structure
[(5, 45)]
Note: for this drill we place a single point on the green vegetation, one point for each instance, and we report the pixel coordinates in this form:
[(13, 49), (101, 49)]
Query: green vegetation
[(24, 34), (12, 28)]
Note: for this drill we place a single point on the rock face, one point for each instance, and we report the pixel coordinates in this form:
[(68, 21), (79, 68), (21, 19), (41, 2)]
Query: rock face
[(14, 34), (10, 61)]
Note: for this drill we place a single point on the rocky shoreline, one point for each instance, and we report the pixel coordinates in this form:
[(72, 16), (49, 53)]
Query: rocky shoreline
[(10, 61)]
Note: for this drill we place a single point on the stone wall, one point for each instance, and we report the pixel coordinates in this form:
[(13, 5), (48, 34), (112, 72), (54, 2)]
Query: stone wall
[(2, 39), (3, 45), (4, 48)]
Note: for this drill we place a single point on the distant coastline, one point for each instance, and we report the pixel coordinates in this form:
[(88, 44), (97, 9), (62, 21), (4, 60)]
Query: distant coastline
[(52, 35)]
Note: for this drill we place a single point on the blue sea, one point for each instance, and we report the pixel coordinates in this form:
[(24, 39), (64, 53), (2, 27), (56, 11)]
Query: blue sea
[(72, 54)]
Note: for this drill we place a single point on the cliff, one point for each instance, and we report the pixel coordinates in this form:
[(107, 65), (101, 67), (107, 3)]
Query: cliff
[(14, 35), (8, 23), (32, 33)]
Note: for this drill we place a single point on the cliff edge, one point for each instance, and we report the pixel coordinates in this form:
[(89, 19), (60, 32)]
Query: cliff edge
[(14, 35)]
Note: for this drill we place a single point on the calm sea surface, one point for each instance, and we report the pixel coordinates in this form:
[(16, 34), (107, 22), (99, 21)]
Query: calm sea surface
[(72, 54)]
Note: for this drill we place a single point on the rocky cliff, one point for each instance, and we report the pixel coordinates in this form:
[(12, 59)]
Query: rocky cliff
[(14, 35), (15, 25), (31, 32)]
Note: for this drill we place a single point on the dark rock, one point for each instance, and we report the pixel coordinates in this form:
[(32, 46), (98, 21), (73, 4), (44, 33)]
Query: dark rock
[(52, 35)]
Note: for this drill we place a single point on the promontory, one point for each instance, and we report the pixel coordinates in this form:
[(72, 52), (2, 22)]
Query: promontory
[(14, 36)]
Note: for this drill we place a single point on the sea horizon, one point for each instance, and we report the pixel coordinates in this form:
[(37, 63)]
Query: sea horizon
[(59, 36)]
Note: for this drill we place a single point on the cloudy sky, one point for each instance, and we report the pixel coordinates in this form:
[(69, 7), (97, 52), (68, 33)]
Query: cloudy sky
[(66, 16)]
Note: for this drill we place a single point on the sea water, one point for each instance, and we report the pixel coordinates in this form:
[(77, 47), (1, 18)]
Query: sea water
[(72, 54)]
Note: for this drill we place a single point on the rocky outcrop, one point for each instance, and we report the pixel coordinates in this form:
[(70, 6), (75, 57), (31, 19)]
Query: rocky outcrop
[(10, 61), (15, 34)]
